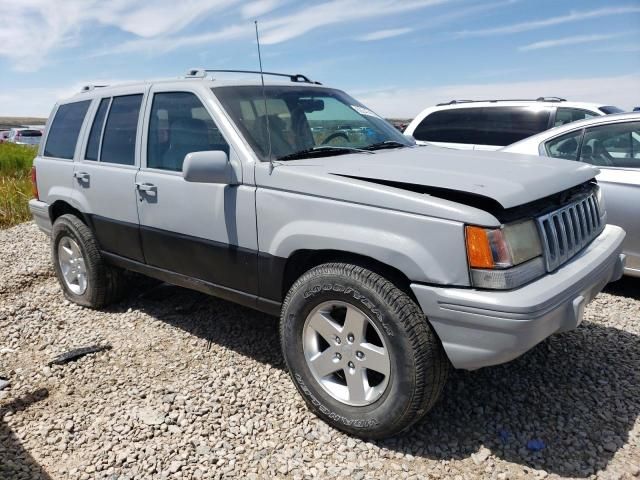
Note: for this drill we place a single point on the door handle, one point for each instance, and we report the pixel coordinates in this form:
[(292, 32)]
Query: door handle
[(82, 176), (146, 187)]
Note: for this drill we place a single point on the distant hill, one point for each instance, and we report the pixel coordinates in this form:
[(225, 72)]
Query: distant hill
[(17, 121)]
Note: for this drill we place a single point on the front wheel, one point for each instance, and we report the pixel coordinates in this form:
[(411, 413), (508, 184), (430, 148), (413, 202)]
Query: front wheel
[(360, 351)]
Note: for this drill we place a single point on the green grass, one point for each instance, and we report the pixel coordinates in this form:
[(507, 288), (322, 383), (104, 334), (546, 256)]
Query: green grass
[(15, 183)]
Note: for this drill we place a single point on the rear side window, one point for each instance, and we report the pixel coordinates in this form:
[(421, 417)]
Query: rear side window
[(64, 131), (119, 139), (565, 147), (568, 115), (499, 126), (93, 145), (180, 125)]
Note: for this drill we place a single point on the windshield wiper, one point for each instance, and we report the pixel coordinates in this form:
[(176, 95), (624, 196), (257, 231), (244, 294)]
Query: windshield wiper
[(385, 144), (323, 150)]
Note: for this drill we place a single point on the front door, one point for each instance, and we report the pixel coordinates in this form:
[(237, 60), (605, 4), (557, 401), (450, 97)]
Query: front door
[(615, 149), (202, 231)]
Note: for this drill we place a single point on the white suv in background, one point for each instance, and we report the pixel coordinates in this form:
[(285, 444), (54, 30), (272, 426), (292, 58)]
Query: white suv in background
[(492, 124)]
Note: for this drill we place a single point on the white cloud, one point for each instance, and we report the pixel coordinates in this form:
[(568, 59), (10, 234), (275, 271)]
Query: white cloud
[(536, 24), (575, 40), (622, 91), (260, 7), (624, 48), (32, 30), (334, 12), (382, 34), (164, 44)]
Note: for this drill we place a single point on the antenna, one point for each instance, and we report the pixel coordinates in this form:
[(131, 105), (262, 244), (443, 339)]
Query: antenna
[(264, 97)]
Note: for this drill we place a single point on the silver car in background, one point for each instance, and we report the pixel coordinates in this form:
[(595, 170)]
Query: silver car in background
[(612, 143), (25, 136)]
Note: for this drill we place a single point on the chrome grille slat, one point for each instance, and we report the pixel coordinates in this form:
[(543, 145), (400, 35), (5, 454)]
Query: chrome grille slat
[(566, 231)]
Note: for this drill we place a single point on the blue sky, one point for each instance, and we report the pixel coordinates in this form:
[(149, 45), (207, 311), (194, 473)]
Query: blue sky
[(396, 56)]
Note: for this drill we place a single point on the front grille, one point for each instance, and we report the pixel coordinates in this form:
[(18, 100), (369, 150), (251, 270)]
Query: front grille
[(568, 230)]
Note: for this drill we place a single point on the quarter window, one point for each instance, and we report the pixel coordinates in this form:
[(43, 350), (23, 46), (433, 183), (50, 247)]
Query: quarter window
[(64, 131), (119, 139), (499, 126), (93, 146), (565, 147), (568, 115), (180, 125), (615, 145)]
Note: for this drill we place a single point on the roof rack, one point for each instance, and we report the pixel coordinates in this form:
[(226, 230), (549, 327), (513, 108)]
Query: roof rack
[(295, 77), (539, 99), (88, 88)]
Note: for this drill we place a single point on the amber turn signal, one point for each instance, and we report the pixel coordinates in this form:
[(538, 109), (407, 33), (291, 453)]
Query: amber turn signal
[(478, 248)]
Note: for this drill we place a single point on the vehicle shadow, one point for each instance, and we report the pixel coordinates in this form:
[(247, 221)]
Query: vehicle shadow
[(625, 287), (15, 461), (575, 394)]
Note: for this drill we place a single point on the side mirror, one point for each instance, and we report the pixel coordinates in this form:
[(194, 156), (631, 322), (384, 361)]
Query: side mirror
[(208, 167)]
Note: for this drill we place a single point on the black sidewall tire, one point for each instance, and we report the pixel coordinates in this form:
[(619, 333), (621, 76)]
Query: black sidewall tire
[(387, 415), (102, 280)]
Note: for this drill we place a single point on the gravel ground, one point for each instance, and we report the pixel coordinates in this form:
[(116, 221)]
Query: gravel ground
[(194, 387)]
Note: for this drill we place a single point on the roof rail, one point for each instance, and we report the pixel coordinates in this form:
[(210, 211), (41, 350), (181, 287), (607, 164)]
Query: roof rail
[(551, 99), (539, 99), (295, 77), (88, 88)]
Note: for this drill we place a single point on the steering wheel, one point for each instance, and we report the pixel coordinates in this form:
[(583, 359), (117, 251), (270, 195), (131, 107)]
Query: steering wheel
[(334, 136)]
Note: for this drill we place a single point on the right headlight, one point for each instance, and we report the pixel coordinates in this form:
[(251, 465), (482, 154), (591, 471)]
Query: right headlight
[(505, 257)]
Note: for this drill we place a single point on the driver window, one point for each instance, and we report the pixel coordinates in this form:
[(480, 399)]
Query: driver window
[(614, 145), (179, 125)]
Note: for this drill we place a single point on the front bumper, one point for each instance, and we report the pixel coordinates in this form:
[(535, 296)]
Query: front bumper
[(479, 328), (40, 213)]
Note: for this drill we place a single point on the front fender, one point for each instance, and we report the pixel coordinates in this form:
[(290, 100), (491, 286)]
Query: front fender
[(425, 249)]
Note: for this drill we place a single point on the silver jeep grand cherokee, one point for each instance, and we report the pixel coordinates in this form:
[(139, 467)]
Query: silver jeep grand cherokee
[(387, 262)]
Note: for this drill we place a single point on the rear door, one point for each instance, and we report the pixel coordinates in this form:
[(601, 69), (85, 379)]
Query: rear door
[(104, 176), (203, 231)]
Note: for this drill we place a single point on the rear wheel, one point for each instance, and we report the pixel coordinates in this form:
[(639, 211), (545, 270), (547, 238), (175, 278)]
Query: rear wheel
[(360, 351), (85, 278)]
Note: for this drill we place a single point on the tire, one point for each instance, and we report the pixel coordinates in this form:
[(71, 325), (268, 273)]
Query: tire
[(417, 365), (103, 283)]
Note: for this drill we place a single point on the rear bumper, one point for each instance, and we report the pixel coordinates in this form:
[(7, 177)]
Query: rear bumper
[(40, 213), (479, 328)]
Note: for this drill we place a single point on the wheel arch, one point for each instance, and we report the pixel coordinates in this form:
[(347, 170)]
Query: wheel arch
[(60, 207), (303, 260)]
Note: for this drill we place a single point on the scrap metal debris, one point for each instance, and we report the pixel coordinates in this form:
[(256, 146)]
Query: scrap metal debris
[(77, 353)]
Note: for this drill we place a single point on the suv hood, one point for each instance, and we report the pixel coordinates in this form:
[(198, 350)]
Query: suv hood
[(509, 179)]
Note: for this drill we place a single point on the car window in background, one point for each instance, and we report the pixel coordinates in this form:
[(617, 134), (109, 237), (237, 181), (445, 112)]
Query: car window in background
[(568, 115), (63, 134), (499, 126), (615, 145), (119, 139), (565, 147), (179, 125), (609, 109), (30, 133)]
